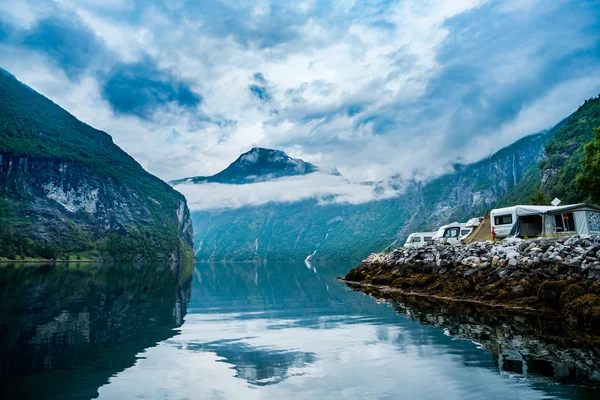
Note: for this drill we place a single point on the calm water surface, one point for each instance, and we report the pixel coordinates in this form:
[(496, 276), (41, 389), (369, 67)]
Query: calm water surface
[(265, 331)]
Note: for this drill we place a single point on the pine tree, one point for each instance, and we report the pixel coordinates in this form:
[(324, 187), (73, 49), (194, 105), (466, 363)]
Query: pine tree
[(539, 199)]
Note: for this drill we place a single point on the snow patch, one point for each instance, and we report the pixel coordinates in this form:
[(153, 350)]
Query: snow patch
[(250, 157)]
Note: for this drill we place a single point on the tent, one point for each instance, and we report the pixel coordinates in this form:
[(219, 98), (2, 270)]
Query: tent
[(546, 221), (483, 231)]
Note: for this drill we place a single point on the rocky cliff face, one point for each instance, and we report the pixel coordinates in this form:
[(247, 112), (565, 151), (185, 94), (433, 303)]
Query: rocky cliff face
[(63, 205), (67, 191)]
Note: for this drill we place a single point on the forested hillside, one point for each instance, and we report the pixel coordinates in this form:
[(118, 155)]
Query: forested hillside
[(555, 175), (66, 190)]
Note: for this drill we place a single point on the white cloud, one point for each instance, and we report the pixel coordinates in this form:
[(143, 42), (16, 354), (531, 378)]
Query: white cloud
[(325, 188), (411, 87)]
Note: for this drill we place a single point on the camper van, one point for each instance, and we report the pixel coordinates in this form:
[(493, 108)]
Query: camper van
[(452, 233), (532, 221), (503, 219), (419, 239)]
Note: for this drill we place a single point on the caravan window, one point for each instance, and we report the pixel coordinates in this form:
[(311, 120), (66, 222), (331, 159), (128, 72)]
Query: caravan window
[(451, 232), (503, 219), (465, 232), (428, 238), (416, 239), (564, 222)]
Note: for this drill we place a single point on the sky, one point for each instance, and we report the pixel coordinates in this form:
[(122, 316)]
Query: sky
[(374, 88)]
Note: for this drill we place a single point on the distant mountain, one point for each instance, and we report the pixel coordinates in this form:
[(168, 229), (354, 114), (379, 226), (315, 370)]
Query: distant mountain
[(257, 165), (293, 231), (66, 190)]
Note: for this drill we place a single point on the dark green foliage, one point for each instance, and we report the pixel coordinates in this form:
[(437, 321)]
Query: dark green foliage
[(33, 126), (565, 154), (539, 199), (589, 180), (42, 144)]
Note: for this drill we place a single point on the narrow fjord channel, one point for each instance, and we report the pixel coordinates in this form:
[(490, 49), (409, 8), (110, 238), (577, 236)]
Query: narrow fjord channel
[(268, 331)]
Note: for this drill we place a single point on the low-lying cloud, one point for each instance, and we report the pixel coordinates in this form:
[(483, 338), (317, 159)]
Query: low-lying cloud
[(322, 187)]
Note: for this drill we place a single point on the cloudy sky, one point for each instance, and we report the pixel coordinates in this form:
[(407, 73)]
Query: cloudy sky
[(371, 87)]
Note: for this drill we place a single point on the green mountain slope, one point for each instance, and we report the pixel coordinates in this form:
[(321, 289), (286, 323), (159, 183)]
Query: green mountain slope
[(564, 154), (67, 190), (562, 160)]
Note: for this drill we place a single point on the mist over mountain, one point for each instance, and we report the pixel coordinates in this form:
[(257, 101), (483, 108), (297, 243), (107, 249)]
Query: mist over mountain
[(270, 221)]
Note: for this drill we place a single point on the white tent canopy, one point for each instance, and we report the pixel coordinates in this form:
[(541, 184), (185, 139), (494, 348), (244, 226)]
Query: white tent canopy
[(548, 220)]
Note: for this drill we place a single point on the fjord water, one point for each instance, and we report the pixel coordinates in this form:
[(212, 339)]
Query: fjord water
[(265, 331)]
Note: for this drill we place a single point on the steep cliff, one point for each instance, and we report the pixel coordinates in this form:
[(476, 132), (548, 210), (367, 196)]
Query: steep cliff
[(67, 191)]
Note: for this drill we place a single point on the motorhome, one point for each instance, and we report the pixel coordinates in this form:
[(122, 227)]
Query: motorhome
[(452, 233), (419, 239), (531, 221)]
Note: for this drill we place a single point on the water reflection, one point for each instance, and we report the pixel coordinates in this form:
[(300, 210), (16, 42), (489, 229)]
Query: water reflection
[(268, 331), (525, 344), (257, 365), (66, 328)]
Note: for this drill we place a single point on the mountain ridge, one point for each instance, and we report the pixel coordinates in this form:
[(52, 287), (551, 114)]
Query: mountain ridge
[(257, 165)]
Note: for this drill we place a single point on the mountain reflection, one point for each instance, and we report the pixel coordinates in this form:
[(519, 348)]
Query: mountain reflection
[(523, 344), (67, 328), (259, 366)]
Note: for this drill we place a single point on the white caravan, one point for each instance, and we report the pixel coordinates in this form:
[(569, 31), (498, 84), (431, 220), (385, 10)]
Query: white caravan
[(452, 233), (503, 219), (532, 221), (419, 239)]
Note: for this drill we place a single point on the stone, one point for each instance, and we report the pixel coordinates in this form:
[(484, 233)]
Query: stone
[(512, 262), (517, 289), (495, 260), (470, 260)]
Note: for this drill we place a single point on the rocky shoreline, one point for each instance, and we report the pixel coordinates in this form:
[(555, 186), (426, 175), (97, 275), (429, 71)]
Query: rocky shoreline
[(553, 275)]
